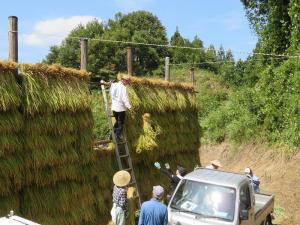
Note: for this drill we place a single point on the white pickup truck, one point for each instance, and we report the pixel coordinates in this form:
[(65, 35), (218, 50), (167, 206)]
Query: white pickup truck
[(207, 196)]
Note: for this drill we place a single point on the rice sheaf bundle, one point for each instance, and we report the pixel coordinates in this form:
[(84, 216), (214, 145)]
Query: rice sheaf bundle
[(57, 141), (11, 124), (163, 119)]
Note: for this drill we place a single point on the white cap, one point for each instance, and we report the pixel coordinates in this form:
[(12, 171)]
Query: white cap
[(247, 170), (158, 191)]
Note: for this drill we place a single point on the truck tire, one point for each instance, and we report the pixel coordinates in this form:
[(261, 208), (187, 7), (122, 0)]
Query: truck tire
[(268, 221)]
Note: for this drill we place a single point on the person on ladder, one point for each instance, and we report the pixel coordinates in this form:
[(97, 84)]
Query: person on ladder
[(120, 103)]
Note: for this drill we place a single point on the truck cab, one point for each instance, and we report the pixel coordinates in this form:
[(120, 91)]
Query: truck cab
[(207, 196)]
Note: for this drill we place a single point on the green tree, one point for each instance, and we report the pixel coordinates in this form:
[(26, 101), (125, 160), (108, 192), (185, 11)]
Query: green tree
[(294, 12), (179, 55), (197, 55), (210, 59), (272, 22), (68, 53), (221, 54), (107, 58), (139, 26)]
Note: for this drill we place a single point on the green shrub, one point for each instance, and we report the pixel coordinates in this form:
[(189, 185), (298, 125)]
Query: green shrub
[(101, 128)]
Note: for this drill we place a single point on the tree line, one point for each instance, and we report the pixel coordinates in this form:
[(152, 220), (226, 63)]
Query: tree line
[(107, 58)]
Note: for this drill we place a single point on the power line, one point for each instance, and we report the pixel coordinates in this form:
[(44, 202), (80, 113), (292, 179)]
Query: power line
[(173, 46), (205, 62), (217, 62), (183, 47)]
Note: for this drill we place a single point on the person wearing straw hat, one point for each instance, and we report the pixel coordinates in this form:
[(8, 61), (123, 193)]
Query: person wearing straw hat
[(153, 212), (214, 164), (120, 103), (119, 210)]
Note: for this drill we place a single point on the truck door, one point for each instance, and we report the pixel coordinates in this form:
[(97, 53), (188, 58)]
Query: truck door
[(246, 208)]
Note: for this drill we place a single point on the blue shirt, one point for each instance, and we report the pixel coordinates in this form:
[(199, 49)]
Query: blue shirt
[(153, 213)]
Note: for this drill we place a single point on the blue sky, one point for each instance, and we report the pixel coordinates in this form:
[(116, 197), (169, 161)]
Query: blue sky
[(45, 23)]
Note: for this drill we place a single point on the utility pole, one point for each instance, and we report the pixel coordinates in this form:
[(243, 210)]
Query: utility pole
[(83, 53), (167, 68), (13, 38), (129, 61)]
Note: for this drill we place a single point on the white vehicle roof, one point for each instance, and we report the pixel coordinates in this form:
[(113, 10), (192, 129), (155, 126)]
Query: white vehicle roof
[(16, 220), (218, 177)]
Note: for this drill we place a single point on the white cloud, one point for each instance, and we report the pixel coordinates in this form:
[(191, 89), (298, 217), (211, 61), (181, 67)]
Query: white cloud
[(51, 32)]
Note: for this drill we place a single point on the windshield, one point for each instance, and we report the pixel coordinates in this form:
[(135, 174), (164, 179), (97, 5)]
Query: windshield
[(206, 200)]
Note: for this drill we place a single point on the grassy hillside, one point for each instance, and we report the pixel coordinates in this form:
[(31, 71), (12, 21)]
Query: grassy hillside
[(211, 95), (245, 113)]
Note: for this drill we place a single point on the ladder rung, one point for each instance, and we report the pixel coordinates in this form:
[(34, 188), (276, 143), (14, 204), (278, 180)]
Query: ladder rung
[(123, 156)]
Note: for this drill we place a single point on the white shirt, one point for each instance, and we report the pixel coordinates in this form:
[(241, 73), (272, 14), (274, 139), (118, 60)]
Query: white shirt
[(119, 97)]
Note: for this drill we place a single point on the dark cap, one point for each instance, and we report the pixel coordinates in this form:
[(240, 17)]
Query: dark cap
[(182, 170)]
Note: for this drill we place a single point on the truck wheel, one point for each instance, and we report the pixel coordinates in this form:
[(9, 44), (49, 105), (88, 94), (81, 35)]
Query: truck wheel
[(267, 221)]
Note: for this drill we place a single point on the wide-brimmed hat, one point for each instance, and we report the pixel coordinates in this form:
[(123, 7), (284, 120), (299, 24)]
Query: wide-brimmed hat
[(216, 163), (121, 178)]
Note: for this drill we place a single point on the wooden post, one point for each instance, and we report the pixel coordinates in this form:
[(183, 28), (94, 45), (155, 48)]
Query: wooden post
[(192, 72), (13, 38), (129, 60), (167, 68), (83, 53)]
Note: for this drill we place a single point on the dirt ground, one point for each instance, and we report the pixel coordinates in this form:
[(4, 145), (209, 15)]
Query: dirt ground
[(279, 174)]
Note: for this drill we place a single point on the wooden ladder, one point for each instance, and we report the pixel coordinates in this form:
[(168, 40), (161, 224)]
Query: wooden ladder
[(122, 154)]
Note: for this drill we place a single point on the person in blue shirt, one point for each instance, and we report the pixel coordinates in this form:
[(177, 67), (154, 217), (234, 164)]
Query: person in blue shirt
[(153, 212)]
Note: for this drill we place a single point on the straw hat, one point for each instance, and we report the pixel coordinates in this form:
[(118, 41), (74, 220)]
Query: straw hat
[(216, 163), (121, 178)]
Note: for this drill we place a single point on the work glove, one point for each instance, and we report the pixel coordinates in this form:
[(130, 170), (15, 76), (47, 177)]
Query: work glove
[(157, 165), (167, 165)]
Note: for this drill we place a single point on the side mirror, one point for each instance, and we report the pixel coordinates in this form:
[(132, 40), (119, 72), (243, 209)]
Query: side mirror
[(244, 214)]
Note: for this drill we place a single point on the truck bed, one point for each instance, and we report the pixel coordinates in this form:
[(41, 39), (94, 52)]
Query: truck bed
[(264, 204)]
